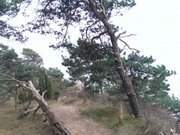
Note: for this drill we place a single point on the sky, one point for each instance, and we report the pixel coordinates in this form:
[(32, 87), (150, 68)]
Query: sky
[(155, 23)]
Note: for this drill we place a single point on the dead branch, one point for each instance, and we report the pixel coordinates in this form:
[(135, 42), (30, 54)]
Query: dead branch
[(35, 110), (120, 34), (65, 34), (87, 29), (57, 126), (26, 112), (130, 35), (128, 46), (102, 6), (98, 36)]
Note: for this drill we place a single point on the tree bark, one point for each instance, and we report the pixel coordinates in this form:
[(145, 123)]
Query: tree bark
[(121, 69), (56, 125)]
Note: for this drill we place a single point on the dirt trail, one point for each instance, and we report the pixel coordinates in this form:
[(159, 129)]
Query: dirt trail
[(78, 125)]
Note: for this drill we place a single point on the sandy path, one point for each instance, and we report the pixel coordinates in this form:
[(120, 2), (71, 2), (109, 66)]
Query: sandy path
[(78, 125)]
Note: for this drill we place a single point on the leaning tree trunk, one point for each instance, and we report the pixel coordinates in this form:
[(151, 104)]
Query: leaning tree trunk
[(56, 125), (121, 69)]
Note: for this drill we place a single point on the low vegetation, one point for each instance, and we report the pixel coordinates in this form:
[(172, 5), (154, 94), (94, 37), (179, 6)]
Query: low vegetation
[(10, 125), (109, 117)]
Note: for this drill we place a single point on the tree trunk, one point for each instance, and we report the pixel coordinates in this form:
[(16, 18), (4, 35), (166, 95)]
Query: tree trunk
[(56, 125), (121, 69)]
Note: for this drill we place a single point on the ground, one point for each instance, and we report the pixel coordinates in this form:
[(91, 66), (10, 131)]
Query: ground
[(10, 125), (93, 119), (76, 123), (80, 118)]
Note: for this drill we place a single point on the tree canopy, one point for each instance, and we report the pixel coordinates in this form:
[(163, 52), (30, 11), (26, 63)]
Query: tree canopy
[(94, 65), (27, 68)]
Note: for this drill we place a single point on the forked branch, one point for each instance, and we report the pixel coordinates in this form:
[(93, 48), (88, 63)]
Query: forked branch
[(128, 46), (98, 36)]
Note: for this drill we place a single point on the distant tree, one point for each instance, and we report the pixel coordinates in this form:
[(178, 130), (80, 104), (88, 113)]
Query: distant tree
[(29, 66), (31, 57), (24, 69), (58, 82), (45, 84), (8, 59), (55, 73)]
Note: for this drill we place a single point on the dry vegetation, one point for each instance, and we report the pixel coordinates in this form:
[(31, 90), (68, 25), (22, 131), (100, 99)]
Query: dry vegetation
[(87, 118), (102, 111), (10, 125), (109, 117)]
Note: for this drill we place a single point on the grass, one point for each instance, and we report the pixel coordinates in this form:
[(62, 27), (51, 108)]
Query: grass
[(109, 117), (10, 125)]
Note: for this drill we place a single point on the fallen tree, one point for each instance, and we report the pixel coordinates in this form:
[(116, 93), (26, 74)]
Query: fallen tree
[(57, 126)]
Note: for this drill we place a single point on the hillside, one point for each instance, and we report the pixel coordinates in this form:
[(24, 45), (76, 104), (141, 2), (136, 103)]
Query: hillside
[(10, 125), (86, 118)]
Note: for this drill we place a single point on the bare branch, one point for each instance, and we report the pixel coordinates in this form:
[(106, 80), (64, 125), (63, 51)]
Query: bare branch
[(65, 34), (98, 36), (35, 110), (128, 46), (130, 35), (94, 23), (102, 7), (120, 34)]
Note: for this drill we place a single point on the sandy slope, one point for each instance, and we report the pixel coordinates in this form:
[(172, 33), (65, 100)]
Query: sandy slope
[(77, 124)]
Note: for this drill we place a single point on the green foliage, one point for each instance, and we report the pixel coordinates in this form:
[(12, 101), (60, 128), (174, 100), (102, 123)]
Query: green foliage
[(8, 59), (28, 68), (56, 79), (109, 117), (9, 6), (31, 57), (45, 84), (170, 102), (55, 72), (92, 64), (95, 65), (149, 80), (67, 9)]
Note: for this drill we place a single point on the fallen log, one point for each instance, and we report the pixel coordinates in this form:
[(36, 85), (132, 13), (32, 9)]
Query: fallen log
[(57, 126)]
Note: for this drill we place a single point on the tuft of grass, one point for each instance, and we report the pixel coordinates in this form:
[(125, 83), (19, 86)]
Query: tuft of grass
[(10, 125), (108, 116)]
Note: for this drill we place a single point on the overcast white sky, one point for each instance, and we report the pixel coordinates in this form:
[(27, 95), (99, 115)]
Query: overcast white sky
[(156, 23)]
